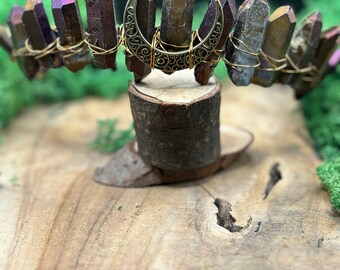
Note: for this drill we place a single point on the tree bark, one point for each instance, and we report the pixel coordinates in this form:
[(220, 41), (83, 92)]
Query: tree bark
[(177, 121), (127, 169)]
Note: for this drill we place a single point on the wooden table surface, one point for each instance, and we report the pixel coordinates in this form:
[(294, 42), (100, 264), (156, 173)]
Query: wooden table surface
[(53, 216)]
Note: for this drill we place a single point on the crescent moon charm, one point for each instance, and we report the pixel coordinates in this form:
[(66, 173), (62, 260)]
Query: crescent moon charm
[(156, 57)]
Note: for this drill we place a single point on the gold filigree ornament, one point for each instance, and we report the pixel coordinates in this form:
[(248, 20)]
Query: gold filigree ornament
[(156, 56)]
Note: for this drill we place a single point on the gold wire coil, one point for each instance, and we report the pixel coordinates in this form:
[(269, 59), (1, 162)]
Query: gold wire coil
[(296, 69), (27, 50), (70, 51), (309, 74), (276, 64), (247, 51), (67, 51), (96, 50)]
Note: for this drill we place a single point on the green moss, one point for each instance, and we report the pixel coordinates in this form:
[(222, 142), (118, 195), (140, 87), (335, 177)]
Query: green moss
[(335, 197), (14, 180), (329, 174), (110, 138), (322, 111)]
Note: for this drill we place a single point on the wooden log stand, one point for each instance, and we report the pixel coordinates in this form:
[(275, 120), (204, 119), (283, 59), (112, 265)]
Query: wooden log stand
[(177, 124)]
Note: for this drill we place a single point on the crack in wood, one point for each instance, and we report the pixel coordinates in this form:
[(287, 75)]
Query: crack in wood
[(206, 190), (320, 241), (225, 218), (275, 177), (258, 227)]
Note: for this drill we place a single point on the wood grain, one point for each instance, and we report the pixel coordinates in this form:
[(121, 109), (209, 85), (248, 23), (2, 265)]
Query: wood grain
[(53, 216)]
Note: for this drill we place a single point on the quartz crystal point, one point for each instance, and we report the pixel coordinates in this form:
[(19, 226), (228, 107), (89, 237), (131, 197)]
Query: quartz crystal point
[(39, 31), (28, 65), (71, 32), (303, 46), (102, 30), (5, 40), (146, 16), (280, 29), (250, 29), (335, 59), (324, 52), (327, 51), (176, 25), (205, 70)]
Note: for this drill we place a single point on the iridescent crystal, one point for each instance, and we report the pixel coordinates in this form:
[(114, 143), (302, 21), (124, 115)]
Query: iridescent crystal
[(71, 33), (146, 14), (303, 46), (28, 65), (205, 70), (281, 25), (324, 52), (248, 36), (335, 59), (39, 31), (102, 30), (176, 25)]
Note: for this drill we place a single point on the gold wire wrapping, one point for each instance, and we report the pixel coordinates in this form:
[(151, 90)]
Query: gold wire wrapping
[(276, 65), (127, 51), (37, 54), (247, 51), (310, 73), (282, 64), (96, 50), (191, 46), (296, 69), (70, 51), (67, 51), (154, 43)]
